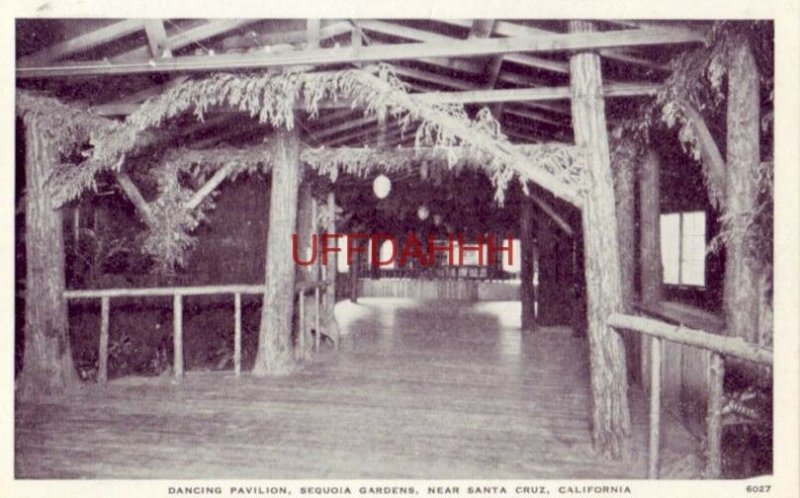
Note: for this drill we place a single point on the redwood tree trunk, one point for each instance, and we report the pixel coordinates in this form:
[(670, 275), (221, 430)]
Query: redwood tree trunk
[(610, 413), (652, 273), (47, 361), (741, 296), (275, 347), (624, 186), (526, 291)]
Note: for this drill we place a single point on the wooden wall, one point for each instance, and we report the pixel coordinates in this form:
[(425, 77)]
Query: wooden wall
[(468, 290), (684, 370)]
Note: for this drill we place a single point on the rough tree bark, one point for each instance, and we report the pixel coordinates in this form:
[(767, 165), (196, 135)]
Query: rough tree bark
[(624, 187), (47, 362), (527, 295), (742, 269), (610, 413), (302, 340), (275, 348), (652, 273), (552, 290)]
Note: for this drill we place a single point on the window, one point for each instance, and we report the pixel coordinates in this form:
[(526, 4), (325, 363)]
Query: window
[(683, 248)]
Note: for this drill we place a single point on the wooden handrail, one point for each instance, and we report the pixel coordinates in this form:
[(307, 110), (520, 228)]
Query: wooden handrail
[(185, 291), (717, 346), (177, 294), (692, 337)]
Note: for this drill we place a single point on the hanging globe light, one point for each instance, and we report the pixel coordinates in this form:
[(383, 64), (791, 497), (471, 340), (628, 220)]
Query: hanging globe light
[(381, 186), (423, 212), (437, 219)]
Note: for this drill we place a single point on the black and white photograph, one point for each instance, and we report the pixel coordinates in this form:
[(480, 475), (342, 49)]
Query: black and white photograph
[(498, 254)]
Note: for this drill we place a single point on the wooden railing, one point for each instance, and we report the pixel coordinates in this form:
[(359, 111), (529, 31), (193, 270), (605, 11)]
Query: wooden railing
[(177, 293), (717, 346)]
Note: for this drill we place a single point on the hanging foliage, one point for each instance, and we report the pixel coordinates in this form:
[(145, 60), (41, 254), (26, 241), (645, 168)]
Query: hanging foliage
[(446, 136), (96, 140)]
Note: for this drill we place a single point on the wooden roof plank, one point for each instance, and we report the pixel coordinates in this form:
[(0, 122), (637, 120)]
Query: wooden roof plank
[(83, 42), (534, 116), (555, 42)]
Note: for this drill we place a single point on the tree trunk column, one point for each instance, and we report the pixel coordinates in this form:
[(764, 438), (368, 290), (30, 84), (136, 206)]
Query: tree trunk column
[(652, 276), (610, 415), (652, 271), (275, 348), (624, 190), (527, 295), (741, 268), (47, 363)]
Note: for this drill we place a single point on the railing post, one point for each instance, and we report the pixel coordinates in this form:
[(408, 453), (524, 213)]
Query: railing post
[(301, 336), (655, 407), (715, 396), (237, 334), (177, 336), (102, 350), (316, 319)]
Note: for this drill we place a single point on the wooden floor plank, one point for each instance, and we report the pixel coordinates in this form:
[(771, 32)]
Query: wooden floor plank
[(421, 390)]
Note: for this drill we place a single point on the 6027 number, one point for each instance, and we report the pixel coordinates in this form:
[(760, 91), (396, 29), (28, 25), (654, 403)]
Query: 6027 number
[(763, 488)]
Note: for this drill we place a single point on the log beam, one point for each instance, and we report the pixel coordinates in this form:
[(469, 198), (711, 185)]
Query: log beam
[(652, 279), (275, 349), (742, 270), (554, 42), (624, 193), (83, 42), (47, 361), (527, 294), (611, 417)]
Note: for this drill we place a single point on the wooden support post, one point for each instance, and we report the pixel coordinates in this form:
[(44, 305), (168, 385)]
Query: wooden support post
[(177, 336), (714, 421), (526, 291), (315, 268), (624, 192), (300, 350), (305, 227), (650, 229), (742, 269), (332, 269), (275, 348), (316, 319), (651, 276), (354, 271), (655, 407), (611, 416), (330, 275), (237, 334), (102, 349), (47, 363)]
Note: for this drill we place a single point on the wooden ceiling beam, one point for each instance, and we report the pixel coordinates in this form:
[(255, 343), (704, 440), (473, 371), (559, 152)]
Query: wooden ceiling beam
[(436, 79), (341, 127), (555, 42), (524, 96), (83, 42), (534, 116), (131, 102), (372, 134), (518, 30), (157, 38), (534, 94), (185, 38)]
